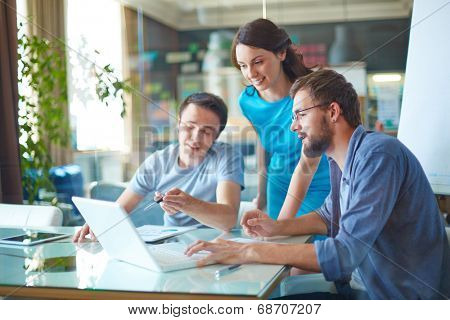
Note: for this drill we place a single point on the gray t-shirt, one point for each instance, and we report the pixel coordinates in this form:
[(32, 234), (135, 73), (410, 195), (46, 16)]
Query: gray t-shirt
[(161, 172)]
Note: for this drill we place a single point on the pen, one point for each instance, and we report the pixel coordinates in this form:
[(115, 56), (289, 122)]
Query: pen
[(226, 270), (154, 203)]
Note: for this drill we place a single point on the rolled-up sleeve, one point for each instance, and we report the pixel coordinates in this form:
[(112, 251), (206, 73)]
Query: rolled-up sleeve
[(374, 189), (325, 212)]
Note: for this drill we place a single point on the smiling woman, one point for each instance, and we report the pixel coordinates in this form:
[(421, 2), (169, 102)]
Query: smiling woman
[(264, 54)]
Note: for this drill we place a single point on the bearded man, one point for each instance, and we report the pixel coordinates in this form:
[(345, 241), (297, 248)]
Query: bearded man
[(383, 222)]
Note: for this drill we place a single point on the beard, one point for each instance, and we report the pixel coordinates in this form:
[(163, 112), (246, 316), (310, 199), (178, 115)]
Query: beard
[(318, 145)]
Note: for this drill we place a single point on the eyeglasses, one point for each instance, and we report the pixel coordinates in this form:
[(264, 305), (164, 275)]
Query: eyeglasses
[(296, 114), (206, 132)]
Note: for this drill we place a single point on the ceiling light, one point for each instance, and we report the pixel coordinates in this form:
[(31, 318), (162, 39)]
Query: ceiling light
[(387, 77)]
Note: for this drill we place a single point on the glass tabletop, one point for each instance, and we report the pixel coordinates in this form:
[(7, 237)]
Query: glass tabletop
[(63, 264)]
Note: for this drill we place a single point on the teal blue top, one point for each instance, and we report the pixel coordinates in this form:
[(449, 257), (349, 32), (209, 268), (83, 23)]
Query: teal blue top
[(272, 121)]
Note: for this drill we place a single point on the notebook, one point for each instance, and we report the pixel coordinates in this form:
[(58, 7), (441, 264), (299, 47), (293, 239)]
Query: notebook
[(152, 233), (120, 239)]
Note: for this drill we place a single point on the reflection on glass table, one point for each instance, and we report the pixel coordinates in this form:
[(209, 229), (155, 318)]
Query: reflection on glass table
[(63, 269)]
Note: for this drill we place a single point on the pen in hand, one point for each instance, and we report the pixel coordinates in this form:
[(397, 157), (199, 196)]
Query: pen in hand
[(226, 270), (154, 203)]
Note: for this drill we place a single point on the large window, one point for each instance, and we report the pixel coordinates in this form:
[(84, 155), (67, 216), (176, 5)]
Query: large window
[(94, 39), (169, 49)]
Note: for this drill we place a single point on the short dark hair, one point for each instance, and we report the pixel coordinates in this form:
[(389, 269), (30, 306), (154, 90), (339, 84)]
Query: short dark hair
[(264, 34), (210, 102), (327, 86)]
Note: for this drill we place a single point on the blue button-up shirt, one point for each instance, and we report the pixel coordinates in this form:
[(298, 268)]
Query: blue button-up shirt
[(384, 223)]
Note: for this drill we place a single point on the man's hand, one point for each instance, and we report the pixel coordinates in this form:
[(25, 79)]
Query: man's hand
[(222, 251), (82, 233), (258, 224), (176, 200)]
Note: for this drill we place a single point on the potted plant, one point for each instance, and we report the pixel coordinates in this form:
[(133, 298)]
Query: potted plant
[(42, 84)]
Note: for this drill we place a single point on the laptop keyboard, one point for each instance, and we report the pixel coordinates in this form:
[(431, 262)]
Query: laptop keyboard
[(172, 253)]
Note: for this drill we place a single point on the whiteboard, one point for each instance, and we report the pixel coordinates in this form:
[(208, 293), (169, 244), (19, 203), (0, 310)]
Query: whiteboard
[(425, 117)]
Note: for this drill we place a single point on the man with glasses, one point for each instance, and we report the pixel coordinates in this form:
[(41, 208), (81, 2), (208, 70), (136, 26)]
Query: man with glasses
[(384, 226), (200, 178)]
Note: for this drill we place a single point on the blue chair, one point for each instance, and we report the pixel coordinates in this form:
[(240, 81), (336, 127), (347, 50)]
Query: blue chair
[(306, 283), (68, 182)]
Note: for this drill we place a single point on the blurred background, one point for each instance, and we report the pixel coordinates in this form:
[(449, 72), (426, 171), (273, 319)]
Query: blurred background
[(130, 63)]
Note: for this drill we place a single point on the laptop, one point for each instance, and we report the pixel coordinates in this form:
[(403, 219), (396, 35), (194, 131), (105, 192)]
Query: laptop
[(120, 239)]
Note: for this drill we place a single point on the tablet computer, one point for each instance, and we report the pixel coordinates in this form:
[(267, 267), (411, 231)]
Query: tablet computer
[(29, 238)]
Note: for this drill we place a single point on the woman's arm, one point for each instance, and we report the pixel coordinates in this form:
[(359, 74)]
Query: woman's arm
[(298, 187), (262, 160)]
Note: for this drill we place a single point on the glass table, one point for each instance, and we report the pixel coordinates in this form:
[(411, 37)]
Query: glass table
[(64, 270)]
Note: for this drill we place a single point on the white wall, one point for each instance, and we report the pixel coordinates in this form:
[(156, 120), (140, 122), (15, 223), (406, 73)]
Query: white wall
[(425, 118)]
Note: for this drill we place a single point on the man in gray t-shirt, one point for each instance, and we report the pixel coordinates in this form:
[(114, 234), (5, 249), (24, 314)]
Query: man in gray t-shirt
[(201, 179), (161, 172)]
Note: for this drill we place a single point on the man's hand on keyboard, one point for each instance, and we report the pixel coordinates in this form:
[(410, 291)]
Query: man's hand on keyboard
[(221, 251)]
